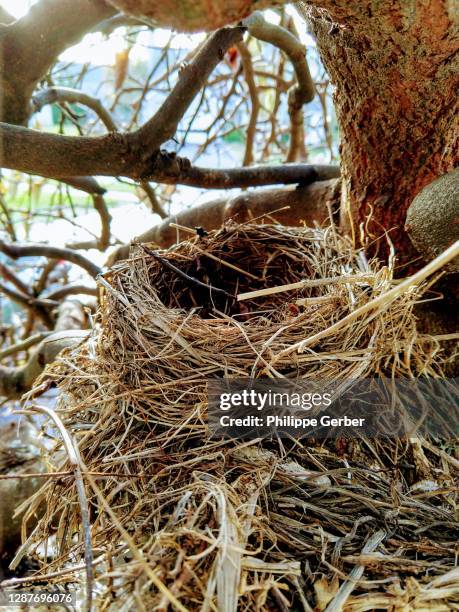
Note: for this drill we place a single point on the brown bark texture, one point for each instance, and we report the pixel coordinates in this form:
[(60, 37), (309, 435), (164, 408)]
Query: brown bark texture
[(395, 65), (193, 15)]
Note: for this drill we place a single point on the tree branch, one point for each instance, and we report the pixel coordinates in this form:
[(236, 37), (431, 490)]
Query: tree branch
[(133, 155), (71, 289), (35, 305), (303, 91), (56, 156), (67, 94), (163, 125), (31, 45), (247, 65), (175, 171), (307, 204), (15, 251), (11, 277), (14, 382)]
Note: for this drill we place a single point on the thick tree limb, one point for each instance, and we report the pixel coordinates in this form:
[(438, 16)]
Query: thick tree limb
[(56, 156), (307, 204), (15, 251)]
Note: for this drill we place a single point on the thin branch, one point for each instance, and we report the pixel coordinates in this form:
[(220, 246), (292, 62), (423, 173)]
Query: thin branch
[(304, 90), (67, 94), (12, 278), (247, 65), (8, 220), (24, 345), (163, 125), (154, 202), (103, 242), (178, 171), (71, 289), (105, 220), (39, 307), (15, 251)]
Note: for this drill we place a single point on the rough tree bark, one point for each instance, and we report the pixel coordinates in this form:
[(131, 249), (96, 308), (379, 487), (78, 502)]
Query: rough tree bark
[(395, 65)]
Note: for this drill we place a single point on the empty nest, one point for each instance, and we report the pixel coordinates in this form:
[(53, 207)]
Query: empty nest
[(181, 521)]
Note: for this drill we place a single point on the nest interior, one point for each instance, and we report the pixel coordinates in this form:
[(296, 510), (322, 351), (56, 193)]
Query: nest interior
[(180, 520)]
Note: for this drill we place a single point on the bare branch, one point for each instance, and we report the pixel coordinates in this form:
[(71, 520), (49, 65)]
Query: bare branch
[(57, 156), (291, 46), (176, 170), (24, 345), (105, 219), (154, 202), (247, 65), (12, 278), (307, 204), (16, 251), (31, 45), (133, 155), (301, 93), (163, 125), (14, 382), (67, 94), (66, 290), (35, 305)]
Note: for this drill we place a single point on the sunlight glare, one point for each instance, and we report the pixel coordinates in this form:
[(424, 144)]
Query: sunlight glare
[(17, 8)]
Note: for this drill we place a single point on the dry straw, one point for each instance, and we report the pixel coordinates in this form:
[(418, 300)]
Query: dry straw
[(182, 521)]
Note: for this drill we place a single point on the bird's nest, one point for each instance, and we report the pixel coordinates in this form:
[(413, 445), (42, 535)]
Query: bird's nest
[(179, 520)]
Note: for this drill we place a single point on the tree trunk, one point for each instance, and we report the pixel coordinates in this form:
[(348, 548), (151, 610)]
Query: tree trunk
[(395, 67)]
